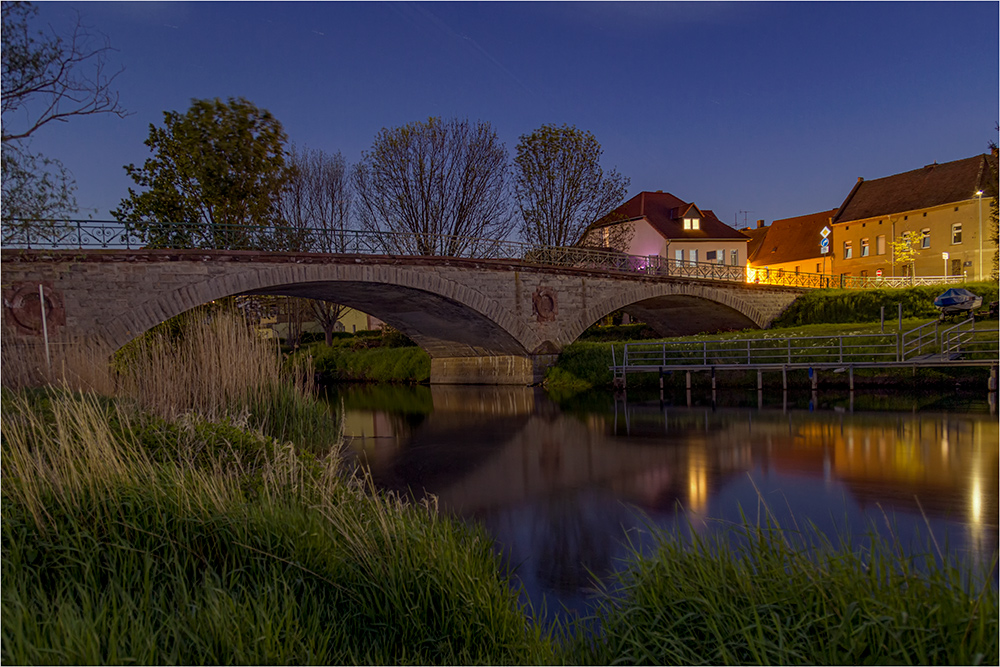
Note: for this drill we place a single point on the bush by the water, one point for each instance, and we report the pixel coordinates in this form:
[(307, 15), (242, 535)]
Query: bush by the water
[(379, 364)]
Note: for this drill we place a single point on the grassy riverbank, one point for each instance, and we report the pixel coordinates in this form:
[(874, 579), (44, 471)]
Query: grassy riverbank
[(190, 522), (195, 511)]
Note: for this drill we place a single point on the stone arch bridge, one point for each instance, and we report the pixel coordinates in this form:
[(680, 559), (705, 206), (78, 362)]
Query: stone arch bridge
[(481, 321)]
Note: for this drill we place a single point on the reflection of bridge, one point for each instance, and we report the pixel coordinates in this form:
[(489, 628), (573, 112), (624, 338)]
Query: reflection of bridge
[(481, 320)]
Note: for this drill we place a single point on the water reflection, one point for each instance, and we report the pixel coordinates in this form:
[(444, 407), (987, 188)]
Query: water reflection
[(562, 490)]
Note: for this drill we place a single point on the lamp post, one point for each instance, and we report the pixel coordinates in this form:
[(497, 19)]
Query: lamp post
[(979, 193)]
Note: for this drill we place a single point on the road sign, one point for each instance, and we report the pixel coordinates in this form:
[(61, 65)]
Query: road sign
[(944, 255), (826, 232), (878, 273), (824, 246)]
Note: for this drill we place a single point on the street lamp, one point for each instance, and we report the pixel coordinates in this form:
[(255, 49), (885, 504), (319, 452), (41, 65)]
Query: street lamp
[(979, 193)]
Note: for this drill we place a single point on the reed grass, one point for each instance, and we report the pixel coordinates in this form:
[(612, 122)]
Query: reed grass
[(78, 365)]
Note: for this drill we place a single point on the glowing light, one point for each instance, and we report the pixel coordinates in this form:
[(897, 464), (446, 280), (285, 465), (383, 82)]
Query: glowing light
[(976, 502)]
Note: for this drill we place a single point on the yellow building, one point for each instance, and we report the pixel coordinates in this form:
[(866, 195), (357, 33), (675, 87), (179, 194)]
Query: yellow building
[(942, 205)]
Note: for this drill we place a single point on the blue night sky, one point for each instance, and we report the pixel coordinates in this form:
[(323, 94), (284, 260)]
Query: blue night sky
[(770, 108)]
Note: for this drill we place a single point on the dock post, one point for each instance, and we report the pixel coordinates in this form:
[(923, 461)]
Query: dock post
[(661, 380), (850, 377), (784, 378), (760, 380), (814, 376), (687, 380), (713, 378), (993, 379)]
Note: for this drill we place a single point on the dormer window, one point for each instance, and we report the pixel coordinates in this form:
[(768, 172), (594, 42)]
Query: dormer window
[(692, 223)]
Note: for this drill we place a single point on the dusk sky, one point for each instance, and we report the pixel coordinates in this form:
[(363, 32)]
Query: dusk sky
[(773, 109)]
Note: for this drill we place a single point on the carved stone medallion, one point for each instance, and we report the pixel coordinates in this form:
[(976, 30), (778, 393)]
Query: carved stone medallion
[(544, 304), (23, 307)]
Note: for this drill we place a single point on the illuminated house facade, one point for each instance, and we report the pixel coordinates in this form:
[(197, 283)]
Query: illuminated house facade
[(793, 245), (658, 223), (946, 208)]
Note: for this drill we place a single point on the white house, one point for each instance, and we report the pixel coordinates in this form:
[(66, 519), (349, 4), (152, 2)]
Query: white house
[(658, 223)]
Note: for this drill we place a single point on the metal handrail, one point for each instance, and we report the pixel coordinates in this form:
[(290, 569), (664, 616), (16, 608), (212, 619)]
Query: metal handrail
[(915, 340), (855, 348)]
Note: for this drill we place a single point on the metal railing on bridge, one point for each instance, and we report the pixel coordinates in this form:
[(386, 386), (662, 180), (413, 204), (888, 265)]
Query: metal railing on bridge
[(91, 234)]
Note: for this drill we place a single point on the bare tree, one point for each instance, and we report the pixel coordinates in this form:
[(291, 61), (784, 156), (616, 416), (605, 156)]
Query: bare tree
[(445, 183), (316, 207), (51, 78), (46, 78), (560, 186)]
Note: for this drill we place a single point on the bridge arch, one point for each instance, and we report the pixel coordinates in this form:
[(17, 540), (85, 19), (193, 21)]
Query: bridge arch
[(676, 309), (444, 317)]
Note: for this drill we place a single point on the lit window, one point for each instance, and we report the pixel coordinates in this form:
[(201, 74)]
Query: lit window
[(956, 233), (679, 255), (693, 256), (880, 244), (864, 247), (925, 238), (848, 250), (692, 223)]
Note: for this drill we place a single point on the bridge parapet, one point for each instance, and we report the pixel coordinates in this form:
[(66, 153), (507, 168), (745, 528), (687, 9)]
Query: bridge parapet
[(112, 235)]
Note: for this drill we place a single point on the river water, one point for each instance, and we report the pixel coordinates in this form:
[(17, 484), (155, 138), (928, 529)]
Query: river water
[(564, 489)]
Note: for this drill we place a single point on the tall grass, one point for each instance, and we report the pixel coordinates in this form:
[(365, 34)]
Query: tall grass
[(188, 519), (762, 595), (78, 365)]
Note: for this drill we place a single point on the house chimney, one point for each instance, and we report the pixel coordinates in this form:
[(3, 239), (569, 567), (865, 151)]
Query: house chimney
[(760, 224)]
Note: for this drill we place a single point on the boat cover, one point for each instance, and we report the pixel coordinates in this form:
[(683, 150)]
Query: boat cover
[(955, 296)]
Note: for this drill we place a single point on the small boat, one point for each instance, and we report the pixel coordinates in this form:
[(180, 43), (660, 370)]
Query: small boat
[(956, 301)]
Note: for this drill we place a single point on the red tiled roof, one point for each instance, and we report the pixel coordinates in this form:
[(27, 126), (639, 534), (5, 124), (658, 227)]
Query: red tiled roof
[(933, 185), (756, 235), (666, 213), (792, 239)]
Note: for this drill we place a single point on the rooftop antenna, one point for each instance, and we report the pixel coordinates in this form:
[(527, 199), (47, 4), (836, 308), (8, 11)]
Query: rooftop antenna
[(736, 222)]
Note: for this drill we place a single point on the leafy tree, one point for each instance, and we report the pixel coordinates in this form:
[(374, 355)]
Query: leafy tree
[(904, 250), (445, 183), (315, 206), (215, 179), (46, 78), (560, 186)]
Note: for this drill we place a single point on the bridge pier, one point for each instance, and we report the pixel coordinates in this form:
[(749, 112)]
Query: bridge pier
[(499, 369)]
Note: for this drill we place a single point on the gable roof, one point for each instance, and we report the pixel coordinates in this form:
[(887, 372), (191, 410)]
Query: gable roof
[(792, 239), (665, 213), (933, 185), (756, 235)]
